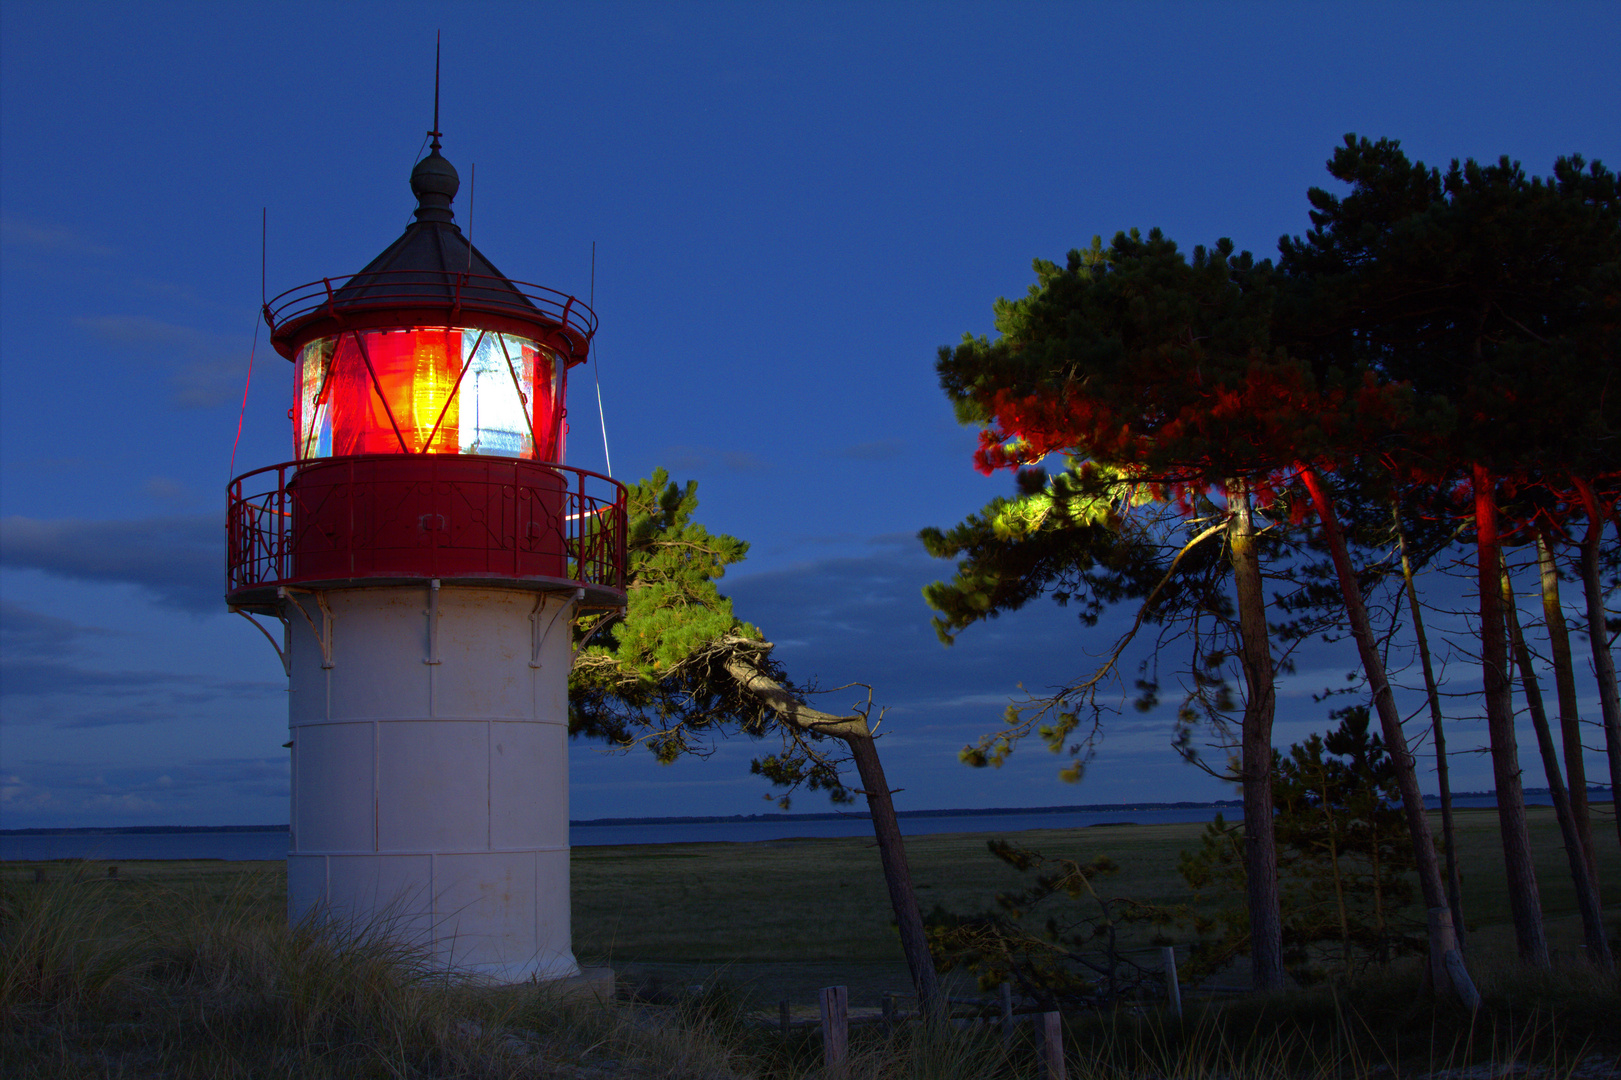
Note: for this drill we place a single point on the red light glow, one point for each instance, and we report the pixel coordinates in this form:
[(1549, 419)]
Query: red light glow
[(428, 390)]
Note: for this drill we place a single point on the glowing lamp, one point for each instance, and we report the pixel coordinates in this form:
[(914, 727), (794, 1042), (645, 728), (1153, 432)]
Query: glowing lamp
[(428, 390)]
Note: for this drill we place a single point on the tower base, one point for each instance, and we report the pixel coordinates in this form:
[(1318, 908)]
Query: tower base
[(430, 773)]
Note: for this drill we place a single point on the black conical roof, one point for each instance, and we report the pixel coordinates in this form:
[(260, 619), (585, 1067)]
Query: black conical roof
[(428, 262), (431, 276)]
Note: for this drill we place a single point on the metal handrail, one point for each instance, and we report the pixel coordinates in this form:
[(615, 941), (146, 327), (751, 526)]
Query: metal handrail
[(592, 526), (481, 292)]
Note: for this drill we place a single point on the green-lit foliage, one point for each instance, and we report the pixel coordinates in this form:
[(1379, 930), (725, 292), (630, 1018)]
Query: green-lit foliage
[(1087, 536), (674, 606), (658, 674), (1065, 536), (650, 675)]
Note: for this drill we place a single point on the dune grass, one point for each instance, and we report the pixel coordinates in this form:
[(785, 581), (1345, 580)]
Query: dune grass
[(190, 970), (137, 978)]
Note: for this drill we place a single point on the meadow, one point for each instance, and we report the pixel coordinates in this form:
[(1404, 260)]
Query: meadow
[(188, 969), (786, 916)]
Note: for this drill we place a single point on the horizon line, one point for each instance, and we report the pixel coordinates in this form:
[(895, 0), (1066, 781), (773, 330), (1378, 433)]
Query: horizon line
[(821, 815)]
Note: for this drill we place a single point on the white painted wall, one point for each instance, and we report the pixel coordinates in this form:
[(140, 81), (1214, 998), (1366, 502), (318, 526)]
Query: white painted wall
[(434, 796)]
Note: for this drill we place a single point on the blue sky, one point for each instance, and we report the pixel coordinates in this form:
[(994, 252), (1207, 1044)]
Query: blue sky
[(793, 206)]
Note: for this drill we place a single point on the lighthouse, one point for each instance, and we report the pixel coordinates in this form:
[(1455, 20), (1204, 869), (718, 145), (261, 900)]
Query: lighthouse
[(425, 553)]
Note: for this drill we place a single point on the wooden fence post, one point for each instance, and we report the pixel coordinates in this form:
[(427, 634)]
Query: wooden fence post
[(1052, 1045), (835, 1025), (782, 1016), (1172, 989), (1007, 1014), (889, 1010)]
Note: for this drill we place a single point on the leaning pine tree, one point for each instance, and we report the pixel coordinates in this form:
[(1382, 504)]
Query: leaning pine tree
[(677, 668)]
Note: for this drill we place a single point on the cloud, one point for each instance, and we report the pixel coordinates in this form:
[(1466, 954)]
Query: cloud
[(205, 368), (166, 489), (33, 678), (187, 294), (17, 794), (44, 681), (189, 792), (67, 695), (862, 617), (28, 633), (956, 700), (137, 715), (179, 559), (679, 460), (50, 238), (878, 450)]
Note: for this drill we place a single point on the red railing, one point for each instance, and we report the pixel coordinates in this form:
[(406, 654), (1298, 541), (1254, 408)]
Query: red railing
[(397, 516), (406, 288)]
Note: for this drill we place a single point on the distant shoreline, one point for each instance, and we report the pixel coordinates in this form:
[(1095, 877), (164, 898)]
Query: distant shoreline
[(1602, 794)]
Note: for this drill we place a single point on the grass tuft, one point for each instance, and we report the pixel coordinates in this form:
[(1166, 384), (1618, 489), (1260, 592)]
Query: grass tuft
[(63, 947)]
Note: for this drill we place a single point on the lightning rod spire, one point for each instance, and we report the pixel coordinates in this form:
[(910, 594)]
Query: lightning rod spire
[(435, 132)]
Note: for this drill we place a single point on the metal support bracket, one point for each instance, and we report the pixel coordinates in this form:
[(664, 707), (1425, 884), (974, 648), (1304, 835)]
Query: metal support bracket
[(433, 623), (282, 649), (323, 633), (537, 636), (608, 617)]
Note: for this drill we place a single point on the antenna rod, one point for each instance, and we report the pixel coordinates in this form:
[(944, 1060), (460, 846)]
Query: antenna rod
[(596, 369), (264, 240)]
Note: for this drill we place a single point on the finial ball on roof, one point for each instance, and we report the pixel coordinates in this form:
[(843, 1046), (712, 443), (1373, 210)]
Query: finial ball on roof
[(434, 182)]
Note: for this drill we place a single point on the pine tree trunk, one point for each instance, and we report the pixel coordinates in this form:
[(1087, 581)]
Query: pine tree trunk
[(1449, 835), (1442, 938), (1598, 637), (897, 874), (1570, 721), (855, 733), (1525, 905), (1598, 949), (1339, 878), (1255, 742), (1377, 864)]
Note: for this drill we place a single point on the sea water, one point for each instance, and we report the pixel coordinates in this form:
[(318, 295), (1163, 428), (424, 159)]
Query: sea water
[(271, 843)]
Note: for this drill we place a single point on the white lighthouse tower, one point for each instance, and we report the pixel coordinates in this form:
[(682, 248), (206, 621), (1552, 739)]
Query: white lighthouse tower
[(425, 552)]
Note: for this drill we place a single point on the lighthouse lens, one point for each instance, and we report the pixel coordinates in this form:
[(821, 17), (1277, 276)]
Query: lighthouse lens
[(433, 390)]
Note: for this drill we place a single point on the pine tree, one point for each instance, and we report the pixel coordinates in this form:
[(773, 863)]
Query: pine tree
[(1345, 860), (1057, 939)]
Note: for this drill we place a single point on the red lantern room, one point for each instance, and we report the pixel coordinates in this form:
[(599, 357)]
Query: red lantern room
[(428, 429)]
